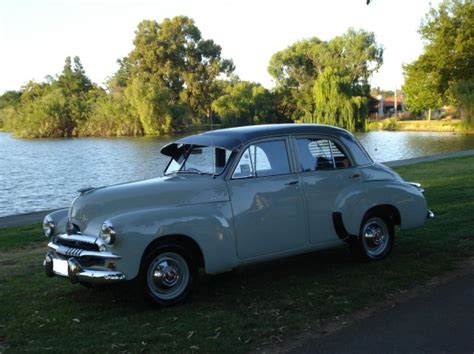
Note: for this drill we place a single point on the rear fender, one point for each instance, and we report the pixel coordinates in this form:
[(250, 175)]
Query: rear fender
[(409, 202)]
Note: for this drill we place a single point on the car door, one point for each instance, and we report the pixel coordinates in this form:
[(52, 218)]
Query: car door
[(328, 177), (269, 212)]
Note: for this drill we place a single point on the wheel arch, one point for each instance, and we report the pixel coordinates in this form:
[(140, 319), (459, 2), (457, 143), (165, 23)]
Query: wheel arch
[(182, 240), (387, 210), (353, 218)]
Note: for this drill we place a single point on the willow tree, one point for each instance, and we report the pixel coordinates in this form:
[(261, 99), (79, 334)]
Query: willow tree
[(151, 103), (336, 104), (308, 95)]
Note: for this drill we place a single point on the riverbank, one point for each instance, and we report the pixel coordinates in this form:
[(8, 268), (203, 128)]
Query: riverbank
[(249, 309), (446, 126)]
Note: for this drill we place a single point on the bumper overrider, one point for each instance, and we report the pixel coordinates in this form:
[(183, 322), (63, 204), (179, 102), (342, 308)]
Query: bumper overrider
[(81, 258)]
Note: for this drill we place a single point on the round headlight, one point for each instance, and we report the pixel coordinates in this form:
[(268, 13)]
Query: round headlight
[(107, 233), (48, 226)]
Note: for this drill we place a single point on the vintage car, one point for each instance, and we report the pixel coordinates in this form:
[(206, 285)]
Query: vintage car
[(229, 198)]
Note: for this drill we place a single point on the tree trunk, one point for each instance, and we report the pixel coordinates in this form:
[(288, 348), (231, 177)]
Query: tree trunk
[(429, 114)]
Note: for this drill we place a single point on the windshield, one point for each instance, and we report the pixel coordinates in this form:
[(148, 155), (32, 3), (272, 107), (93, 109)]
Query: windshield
[(199, 159)]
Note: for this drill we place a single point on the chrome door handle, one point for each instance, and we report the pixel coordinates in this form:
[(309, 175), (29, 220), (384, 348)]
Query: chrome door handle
[(291, 183)]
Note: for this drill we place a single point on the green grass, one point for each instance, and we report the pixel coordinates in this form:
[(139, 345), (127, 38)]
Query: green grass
[(26, 236), (236, 312), (450, 125)]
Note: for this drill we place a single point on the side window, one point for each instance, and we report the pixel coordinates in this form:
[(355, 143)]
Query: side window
[(263, 159), (340, 158), (316, 154)]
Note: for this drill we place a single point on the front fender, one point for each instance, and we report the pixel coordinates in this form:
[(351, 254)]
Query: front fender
[(59, 218), (409, 202), (207, 224)]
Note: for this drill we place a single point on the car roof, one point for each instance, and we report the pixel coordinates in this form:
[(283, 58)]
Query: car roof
[(233, 138)]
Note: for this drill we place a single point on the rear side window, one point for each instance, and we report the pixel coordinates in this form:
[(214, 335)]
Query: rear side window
[(263, 159), (316, 154)]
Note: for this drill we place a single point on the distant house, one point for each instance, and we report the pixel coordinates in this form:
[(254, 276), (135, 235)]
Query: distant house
[(381, 107)]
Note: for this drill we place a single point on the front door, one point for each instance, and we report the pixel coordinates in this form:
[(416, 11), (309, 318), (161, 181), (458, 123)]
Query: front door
[(268, 207)]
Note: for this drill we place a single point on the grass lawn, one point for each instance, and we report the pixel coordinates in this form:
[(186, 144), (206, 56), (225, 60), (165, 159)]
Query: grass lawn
[(451, 125), (237, 312)]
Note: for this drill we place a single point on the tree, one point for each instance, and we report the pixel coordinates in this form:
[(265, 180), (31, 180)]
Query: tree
[(295, 72), (352, 57), (336, 103), (420, 88), (246, 103), (42, 113), (151, 103), (9, 103), (111, 115), (174, 56), (118, 82), (446, 66), (74, 85)]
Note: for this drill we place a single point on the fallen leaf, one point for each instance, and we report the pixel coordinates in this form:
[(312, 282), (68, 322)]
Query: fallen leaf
[(214, 337), (76, 320), (190, 334)]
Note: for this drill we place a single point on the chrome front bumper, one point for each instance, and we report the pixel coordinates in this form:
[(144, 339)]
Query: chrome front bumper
[(66, 261)]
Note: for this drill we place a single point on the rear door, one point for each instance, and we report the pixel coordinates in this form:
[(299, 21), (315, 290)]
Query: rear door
[(328, 176)]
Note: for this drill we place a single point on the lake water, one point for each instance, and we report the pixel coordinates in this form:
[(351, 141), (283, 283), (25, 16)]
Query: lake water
[(45, 174)]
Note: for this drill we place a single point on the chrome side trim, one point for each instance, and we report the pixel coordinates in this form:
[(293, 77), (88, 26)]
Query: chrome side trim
[(77, 252)]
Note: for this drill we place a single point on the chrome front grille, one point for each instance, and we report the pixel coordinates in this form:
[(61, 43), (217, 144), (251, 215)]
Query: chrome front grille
[(80, 246), (74, 243), (68, 251)]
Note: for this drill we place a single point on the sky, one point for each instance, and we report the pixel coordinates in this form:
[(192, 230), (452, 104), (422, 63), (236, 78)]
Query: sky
[(37, 35)]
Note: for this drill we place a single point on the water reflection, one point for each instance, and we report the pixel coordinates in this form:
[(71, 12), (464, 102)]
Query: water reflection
[(46, 173)]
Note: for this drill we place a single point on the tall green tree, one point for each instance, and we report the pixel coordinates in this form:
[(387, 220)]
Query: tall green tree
[(446, 66), (75, 86), (174, 56), (420, 88)]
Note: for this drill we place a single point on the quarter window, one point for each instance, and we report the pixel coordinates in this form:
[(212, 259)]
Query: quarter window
[(263, 159), (316, 154)]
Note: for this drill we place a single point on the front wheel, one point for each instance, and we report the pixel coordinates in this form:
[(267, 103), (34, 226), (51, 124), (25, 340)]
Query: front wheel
[(168, 275), (375, 239)]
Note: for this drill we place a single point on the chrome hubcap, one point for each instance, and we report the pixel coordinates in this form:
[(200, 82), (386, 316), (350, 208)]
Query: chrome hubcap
[(165, 275), (375, 236), (168, 275)]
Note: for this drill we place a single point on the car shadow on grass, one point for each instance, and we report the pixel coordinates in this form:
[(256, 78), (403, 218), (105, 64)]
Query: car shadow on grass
[(255, 280)]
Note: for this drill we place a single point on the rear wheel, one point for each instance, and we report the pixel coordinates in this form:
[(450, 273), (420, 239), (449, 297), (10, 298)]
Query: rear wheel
[(168, 275), (376, 237)]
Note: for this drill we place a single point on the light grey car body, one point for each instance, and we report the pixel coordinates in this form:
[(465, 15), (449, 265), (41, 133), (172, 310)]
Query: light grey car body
[(231, 221)]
